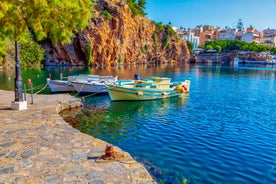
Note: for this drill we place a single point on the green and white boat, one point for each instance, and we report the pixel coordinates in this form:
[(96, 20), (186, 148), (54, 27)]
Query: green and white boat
[(152, 88)]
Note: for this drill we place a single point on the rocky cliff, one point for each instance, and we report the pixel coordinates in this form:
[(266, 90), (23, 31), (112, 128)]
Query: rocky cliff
[(120, 38)]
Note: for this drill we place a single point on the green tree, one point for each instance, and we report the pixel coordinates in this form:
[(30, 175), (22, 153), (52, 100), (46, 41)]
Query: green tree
[(106, 14), (155, 39), (31, 53), (201, 47), (142, 5), (217, 48), (88, 52), (209, 47), (165, 43), (159, 26), (137, 8), (56, 19), (190, 46), (3, 51), (238, 45)]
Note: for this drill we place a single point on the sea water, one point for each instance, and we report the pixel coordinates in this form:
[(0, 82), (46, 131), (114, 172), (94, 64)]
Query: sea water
[(224, 131)]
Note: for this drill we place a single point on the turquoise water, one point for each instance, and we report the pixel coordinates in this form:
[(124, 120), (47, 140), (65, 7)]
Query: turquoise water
[(224, 131)]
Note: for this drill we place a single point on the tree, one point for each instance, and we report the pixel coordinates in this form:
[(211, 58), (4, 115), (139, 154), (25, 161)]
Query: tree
[(209, 47), (137, 7), (190, 46), (142, 5), (31, 53), (217, 48), (57, 20)]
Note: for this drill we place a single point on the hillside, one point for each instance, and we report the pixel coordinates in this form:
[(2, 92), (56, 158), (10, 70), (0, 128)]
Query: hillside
[(119, 39)]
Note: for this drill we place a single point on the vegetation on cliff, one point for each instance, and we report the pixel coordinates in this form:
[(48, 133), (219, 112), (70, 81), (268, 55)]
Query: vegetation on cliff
[(137, 7)]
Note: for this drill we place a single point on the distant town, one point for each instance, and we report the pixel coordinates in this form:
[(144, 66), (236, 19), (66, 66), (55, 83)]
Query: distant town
[(202, 34)]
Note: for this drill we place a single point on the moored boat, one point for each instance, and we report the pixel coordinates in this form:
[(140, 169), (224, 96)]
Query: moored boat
[(79, 82), (147, 89), (57, 86), (95, 85)]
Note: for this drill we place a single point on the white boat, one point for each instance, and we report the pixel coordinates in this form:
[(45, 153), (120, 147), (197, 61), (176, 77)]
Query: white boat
[(93, 85), (57, 86), (83, 79), (147, 89)]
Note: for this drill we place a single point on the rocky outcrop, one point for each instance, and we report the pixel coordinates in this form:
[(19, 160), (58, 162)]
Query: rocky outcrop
[(119, 39)]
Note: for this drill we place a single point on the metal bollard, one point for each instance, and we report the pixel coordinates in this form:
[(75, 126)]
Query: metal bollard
[(32, 96), (25, 99)]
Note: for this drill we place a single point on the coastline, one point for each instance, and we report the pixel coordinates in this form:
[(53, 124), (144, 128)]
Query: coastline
[(38, 146)]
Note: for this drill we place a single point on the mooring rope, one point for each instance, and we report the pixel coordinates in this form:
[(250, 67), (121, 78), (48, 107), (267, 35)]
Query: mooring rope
[(79, 90), (43, 87), (91, 95), (37, 87)]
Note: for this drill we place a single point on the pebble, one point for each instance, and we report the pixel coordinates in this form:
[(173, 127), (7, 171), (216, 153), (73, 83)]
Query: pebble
[(27, 154)]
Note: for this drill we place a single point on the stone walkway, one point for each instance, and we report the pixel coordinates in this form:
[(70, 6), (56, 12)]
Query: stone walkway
[(38, 146)]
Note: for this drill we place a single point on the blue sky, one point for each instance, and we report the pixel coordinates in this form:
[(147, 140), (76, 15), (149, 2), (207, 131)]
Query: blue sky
[(218, 13)]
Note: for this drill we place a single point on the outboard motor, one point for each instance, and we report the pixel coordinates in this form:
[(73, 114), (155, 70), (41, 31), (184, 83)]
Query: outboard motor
[(137, 77)]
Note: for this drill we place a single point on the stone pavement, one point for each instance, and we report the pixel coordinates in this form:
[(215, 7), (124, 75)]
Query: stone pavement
[(38, 146)]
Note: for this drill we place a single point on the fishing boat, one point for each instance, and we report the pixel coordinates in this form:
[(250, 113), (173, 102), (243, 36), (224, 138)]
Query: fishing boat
[(81, 80), (59, 86), (93, 85), (147, 89)]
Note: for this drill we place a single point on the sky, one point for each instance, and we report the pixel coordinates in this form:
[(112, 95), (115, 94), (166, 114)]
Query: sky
[(261, 14)]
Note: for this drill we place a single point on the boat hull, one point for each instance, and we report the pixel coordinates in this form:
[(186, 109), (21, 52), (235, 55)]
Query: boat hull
[(59, 86), (89, 87), (118, 93)]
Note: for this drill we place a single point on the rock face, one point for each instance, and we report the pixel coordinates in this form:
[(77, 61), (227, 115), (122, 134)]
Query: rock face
[(121, 39)]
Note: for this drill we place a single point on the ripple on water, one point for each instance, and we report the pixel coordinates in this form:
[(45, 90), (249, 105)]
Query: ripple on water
[(223, 132)]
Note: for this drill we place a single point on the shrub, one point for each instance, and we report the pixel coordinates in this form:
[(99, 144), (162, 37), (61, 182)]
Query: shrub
[(137, 8), (88, 52), (106, 14), (166, 43), (147, 47), (31, 53), (143, 49), (119, 60)]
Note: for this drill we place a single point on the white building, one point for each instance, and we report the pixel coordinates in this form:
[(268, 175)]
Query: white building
[(190, 36), (227, 34), (269, 32), (250, 37), (269, 41)]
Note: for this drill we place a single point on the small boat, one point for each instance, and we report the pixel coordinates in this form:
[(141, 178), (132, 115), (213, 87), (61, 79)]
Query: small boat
[(58, 86), (147, 89), (93, 85)]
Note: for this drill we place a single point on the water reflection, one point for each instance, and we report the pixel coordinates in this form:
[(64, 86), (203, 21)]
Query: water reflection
[(122, 119), (133, 107)]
